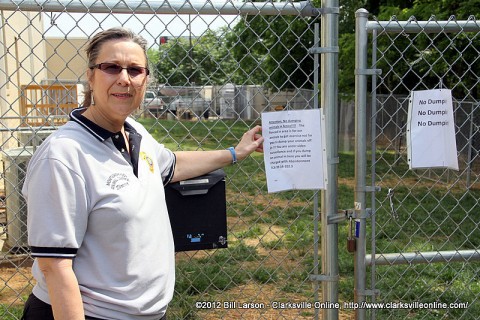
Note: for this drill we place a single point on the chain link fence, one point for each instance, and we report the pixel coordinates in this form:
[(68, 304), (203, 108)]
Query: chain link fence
[(214, 69), (423, 229)]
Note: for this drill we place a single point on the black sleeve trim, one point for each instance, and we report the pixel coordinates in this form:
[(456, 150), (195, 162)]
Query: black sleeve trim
[(49, 252), (169, 177)]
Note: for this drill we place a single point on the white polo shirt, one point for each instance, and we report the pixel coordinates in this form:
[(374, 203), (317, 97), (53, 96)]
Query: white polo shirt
[(89, 200)]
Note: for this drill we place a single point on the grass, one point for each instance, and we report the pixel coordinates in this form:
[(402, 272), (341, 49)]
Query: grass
[(11, 313), (431, 217), (271, 239), (251, 232)]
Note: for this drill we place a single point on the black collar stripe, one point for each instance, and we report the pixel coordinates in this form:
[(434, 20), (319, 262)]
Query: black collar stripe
[(97, 131)]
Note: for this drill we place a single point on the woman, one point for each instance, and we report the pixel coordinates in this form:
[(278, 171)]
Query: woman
[(97, 219)]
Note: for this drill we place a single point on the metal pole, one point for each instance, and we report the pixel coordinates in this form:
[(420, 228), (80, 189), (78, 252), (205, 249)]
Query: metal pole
[(430, 26), (373, 133), (329, 103), (424, 257), (316, 214), (361, 38), (3, 83), (302, 8)]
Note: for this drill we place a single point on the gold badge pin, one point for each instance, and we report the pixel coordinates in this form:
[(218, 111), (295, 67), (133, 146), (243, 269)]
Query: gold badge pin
[(149, 161)]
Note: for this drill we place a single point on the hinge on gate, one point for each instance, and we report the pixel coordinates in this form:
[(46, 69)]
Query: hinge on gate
[(368, 189), (335, 160), (310, 11), (331, 10), (373, 292), (321, 50), (373, 188), (368, 72), (323, 277)]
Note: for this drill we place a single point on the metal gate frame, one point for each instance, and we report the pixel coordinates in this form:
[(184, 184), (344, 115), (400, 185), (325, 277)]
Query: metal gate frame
[(362, 72)]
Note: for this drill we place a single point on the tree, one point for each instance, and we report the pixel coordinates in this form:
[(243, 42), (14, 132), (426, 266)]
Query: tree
[(204, 60), (173, 65), (433, 60), (451, 60), (213, 63), (273, 51)]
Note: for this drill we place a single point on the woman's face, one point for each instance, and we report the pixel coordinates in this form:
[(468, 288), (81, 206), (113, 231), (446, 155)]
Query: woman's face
[(118, 95)]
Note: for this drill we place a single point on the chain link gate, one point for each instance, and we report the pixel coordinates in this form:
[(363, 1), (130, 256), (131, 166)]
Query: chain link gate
[(215, 68), (424, 227)]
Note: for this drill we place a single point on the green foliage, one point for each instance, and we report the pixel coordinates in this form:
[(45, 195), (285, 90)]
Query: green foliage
[(265, 275), (426, 61), (259, 50), (10, 312), (273, 51), (187, 135), (346, 64), (203, 61), (220, 271), (174, 66), (214, 64), (251, 232), (273, 244), (237, 252), (183, 308), (432, 283), (299, 236), (206, 277), (430, 218), (421, 61)]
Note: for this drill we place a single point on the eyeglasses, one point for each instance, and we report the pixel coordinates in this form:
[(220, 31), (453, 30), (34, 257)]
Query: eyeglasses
[(113, 68)]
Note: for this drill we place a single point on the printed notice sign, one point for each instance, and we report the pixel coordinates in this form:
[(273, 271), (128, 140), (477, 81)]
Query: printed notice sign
[(294, 150), (431, 130)]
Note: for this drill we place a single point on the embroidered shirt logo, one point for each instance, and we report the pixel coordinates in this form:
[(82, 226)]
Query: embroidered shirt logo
[(118, 181), (148, 160)]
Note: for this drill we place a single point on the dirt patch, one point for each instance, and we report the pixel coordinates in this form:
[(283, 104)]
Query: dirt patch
[(265, 200), (16, 284)]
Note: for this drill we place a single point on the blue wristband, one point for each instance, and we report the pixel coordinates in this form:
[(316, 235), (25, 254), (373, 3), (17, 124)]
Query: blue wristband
[(234, 154)]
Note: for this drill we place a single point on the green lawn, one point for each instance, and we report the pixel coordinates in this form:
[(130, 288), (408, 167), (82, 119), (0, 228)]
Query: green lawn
[(430, 218), (271, 238)]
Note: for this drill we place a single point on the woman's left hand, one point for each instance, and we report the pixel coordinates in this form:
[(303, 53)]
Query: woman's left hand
[(250, 142)]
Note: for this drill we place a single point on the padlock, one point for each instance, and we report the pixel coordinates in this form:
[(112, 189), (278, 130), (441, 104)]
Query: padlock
[(351, 242)]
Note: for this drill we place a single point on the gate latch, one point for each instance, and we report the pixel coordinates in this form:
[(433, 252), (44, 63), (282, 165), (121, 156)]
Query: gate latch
[(390, 199)]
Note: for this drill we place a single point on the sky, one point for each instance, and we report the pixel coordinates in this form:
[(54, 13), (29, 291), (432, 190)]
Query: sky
[(149, 26)]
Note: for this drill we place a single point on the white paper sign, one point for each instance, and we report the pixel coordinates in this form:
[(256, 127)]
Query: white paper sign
[(294, 150), (431, 130)]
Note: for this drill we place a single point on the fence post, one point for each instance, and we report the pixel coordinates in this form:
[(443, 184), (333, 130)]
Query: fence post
[(329, 103), (361, 39)]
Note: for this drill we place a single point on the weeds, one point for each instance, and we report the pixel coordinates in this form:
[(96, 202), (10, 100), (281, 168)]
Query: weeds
[(430, 217)]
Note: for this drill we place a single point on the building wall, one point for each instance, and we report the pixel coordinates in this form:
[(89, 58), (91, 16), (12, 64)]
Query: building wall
[(66, 59), (22, 57)]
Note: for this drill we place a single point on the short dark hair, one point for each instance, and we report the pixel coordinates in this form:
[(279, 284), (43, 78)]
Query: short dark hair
[(95, 44)]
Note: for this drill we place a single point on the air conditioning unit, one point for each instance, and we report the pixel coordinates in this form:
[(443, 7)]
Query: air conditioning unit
[(227, 102), (33, 138), (15, 162)]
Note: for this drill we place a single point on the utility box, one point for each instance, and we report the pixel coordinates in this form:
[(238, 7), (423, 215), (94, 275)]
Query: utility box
[(15, 164), (198, 212)]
